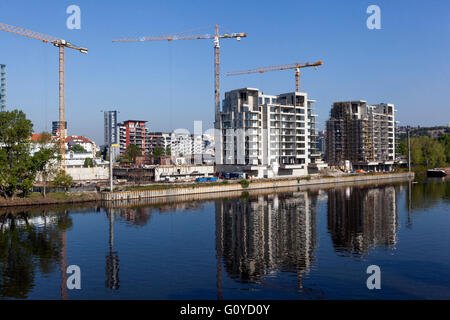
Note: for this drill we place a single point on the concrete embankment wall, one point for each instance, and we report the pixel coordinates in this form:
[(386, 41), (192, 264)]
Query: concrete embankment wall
[(198, 189)]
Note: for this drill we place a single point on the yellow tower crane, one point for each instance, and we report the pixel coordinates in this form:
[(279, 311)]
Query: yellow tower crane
[(216, 37), (297, 66), (61, 44)]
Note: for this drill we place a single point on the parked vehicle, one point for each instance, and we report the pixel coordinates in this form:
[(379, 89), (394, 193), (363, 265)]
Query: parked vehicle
[(436, 173), (206, 179)]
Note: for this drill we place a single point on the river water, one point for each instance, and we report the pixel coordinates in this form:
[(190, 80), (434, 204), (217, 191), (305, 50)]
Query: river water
[(292, 244)]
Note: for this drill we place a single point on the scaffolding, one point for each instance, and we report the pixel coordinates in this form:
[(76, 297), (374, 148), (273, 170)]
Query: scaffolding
[(358, 134)]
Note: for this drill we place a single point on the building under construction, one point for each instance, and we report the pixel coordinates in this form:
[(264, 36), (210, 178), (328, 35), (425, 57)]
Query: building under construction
[(361, 135)]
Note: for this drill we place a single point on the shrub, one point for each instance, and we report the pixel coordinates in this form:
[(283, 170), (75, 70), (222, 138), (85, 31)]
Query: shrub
[(244, 183), (88, 163), (62, 180)]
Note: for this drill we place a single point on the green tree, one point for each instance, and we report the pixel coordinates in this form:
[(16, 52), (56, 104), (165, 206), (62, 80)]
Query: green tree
[(433, 153), (416, 150), (168, 151), (16, 166), (444, 140), (62, 180), (44, 159), (88, 163), (131, 153), (158, 152), (78, 148), (403, 147), (428, 152)]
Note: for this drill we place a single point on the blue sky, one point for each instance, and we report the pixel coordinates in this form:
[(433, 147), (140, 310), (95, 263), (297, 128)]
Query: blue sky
[(171, 84)]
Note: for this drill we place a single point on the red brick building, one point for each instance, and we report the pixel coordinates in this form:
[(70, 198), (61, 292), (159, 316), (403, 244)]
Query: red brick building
[(133, 132)]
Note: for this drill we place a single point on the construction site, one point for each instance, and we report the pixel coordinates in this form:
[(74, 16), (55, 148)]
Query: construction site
[(361, 136), (256, 135)]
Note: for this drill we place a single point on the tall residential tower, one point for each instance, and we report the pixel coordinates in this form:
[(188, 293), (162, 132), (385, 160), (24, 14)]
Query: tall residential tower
[(111, 131), (266, 135)]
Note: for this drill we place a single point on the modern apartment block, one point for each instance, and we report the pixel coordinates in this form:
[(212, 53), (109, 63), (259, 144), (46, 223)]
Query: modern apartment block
[(362, 134), (2, 87), (266, 135), (133, 132)]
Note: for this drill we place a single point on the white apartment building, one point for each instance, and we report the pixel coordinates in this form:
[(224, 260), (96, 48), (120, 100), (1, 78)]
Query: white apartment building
[(88, 144), (266, 136), (184, 143)]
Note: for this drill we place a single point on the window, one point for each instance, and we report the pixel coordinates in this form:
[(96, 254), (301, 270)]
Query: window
[(243, 96)]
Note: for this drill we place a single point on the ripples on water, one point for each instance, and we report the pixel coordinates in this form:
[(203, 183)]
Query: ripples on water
[(293, 244)]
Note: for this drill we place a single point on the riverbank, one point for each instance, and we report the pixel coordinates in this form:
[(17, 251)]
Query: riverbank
[(51, 198), (184, 190), (176, 190), (180, 199)]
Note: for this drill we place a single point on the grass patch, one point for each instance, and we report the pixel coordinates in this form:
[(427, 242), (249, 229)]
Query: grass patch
[(60, 195), (34, 195), (307, 178)]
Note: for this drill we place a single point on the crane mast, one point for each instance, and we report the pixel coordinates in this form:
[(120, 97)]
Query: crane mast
[(61, 44), (217, 78)]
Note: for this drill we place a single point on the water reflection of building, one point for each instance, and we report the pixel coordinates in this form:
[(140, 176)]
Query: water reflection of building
[(362, 217), (138, 216), (112, 258), (261, 235)]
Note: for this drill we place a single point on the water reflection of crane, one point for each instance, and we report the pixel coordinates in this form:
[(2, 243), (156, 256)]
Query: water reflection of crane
[(63, 262), (112, 258)]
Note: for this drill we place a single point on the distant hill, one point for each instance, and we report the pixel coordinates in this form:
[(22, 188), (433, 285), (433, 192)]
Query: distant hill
[(432, 132)]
